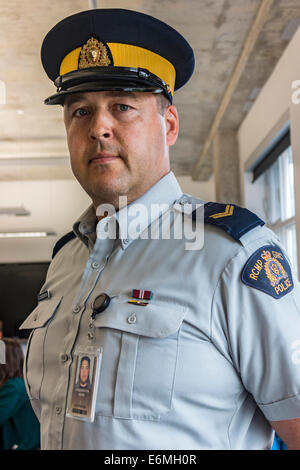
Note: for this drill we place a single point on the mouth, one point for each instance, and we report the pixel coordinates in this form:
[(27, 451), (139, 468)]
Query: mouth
[(103, 157)]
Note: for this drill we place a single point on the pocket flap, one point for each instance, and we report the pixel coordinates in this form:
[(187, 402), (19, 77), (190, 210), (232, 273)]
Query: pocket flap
[(45, 310), (154, 320)]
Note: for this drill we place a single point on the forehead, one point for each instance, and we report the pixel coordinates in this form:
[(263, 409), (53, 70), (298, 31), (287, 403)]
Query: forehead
[(84, 363), (94, 96)]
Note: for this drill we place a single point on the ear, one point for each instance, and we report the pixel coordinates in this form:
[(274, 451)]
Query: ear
[(172, 125)]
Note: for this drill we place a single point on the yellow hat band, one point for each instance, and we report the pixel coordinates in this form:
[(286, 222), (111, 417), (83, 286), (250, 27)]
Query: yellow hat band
[(126, 55)]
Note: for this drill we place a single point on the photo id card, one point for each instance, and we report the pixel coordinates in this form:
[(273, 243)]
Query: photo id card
[(84, 384)]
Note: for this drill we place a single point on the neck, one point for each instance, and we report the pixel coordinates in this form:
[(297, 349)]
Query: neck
[(118, 201)]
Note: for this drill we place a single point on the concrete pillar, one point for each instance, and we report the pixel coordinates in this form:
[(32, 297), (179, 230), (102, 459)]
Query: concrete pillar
[(226, 167)]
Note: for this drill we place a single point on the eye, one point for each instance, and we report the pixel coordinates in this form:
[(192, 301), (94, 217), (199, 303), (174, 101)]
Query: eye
[(80, 112), (124, 107)]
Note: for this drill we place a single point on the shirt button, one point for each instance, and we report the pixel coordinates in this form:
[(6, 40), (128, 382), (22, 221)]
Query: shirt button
[(95, 265), (183, 201), (76, 308), (64, 357), (58, 410), (132, 318)]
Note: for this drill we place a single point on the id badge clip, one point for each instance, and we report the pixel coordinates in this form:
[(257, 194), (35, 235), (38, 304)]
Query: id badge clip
[(84, 384)]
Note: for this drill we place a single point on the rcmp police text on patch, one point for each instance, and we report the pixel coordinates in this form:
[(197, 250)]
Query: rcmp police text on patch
[(268, 270)]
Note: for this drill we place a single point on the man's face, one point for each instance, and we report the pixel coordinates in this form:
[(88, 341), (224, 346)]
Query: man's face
[(118, 142), (84, 371)]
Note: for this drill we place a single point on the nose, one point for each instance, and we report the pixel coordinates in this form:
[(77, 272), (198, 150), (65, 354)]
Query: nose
[(101, 126)]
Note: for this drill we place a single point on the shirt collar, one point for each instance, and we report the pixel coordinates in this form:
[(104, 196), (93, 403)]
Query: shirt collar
[(86, 224), (164, 193)]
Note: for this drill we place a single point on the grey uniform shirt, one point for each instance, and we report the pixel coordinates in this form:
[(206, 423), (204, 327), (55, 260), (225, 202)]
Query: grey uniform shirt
[(204, 366)]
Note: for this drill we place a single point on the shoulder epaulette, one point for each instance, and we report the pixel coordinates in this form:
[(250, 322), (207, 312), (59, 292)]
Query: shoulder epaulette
[(62, 241), (235, 220)]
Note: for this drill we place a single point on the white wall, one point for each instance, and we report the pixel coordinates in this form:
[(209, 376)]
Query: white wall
[(54, 206), (205, 190), (269, 114)]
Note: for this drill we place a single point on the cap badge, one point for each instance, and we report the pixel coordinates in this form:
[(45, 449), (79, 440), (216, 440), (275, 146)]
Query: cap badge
[(93, 54)]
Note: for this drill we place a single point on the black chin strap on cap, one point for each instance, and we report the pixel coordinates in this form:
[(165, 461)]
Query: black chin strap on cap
[(108, 78)]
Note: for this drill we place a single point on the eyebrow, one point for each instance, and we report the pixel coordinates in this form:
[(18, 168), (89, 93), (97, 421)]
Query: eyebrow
[(122, 94), (73, 98), (113, 94)]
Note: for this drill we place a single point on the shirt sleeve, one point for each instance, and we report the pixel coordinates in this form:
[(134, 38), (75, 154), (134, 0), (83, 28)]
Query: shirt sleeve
[(260, 335)]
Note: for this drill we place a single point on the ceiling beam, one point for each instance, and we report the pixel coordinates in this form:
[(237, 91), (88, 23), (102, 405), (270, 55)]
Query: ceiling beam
[(257, 25)]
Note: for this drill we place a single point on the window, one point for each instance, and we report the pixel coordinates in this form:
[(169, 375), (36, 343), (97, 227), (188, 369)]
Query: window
[(279, 201)]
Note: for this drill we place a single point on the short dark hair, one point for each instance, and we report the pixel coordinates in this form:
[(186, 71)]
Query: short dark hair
[(162, 102), (85, 358)]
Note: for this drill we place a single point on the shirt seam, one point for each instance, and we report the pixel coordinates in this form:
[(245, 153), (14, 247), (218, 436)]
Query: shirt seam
[(237, 408), (279, 401), (215, 291)]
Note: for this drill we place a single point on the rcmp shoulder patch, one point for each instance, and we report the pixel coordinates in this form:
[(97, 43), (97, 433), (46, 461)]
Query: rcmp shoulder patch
[(268, 270), (235, 220)]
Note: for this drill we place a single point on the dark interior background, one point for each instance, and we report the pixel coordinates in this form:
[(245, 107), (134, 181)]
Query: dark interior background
[(19, 285)]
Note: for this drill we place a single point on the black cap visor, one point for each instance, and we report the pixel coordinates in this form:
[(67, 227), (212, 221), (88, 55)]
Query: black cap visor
[(107, 78)]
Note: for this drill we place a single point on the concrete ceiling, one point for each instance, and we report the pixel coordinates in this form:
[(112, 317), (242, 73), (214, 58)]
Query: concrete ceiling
[(32, 136)]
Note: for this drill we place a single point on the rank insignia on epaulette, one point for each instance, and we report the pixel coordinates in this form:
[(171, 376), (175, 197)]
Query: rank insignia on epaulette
[(228, 211), (268, 270), (235, 220)]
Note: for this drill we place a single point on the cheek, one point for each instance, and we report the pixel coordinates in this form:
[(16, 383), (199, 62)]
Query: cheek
[(76, 152), (156, 140), (145, 137), (76, 143), (70, 136)]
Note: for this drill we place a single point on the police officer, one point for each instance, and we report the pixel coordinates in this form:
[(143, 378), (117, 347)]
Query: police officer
[(189, 348)]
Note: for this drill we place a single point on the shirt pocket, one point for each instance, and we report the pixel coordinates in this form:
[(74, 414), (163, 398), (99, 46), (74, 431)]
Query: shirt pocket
[(140, 346), (38, 321)]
